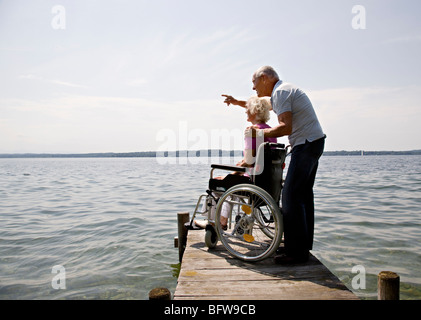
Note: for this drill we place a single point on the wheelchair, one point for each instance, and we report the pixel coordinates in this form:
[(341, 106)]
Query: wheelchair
[(250, 204)]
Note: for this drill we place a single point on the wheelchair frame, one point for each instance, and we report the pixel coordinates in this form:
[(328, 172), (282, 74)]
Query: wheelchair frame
[(255, 228)]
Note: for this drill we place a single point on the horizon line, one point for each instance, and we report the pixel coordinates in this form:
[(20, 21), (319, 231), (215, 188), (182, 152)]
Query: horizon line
[(189, 153)]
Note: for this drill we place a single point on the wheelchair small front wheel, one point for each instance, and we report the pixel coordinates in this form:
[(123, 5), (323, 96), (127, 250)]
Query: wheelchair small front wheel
[(211, 238), (255, 222)]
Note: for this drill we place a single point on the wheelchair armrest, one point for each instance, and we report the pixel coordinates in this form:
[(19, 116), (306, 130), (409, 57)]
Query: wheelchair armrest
[(228, 168)]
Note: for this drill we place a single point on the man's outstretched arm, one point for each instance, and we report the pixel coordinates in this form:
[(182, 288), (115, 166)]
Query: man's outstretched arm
[(231, 100)]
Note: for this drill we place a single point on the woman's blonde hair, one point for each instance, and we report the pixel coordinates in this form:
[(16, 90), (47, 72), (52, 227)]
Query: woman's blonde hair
[(260, 107)]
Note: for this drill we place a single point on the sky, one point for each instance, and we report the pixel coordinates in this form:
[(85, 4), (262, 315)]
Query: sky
[(81, 76)]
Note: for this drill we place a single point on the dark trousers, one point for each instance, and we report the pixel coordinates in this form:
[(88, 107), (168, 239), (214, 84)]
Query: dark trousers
[(298, 198)]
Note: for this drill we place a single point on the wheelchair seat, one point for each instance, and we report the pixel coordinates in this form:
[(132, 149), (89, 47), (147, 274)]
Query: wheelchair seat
[(229, 181)]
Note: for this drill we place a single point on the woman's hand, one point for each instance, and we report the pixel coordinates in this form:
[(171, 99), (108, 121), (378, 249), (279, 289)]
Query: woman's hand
[(243, 163), (251, 131)]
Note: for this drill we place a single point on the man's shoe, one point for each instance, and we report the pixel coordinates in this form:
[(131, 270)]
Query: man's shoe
[(283, 259), (280, 250)]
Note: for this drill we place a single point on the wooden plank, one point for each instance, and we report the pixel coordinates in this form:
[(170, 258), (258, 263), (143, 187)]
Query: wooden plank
[(214, 274), (260, 290)]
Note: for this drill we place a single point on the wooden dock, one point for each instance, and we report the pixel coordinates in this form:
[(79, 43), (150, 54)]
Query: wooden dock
[(215, 275)]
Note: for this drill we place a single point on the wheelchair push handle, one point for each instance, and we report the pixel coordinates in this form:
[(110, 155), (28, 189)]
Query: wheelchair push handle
[(276, 145)]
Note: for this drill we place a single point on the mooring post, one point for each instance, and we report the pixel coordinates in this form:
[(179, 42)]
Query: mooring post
[(182, 219), (388, 286), (160, 294)]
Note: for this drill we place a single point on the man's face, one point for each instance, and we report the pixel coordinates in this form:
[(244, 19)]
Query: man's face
[(259, 86)]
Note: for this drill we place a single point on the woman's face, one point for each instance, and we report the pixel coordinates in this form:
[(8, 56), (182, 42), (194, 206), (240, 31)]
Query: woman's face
[(250, 117)]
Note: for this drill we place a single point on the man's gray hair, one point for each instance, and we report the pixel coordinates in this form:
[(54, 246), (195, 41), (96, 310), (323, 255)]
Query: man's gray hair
[(268, 71)]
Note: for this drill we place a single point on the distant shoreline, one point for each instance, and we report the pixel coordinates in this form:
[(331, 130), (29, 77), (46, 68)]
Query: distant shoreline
[(199, 153)]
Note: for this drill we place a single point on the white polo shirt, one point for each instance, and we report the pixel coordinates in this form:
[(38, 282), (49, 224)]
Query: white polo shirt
[(305, 125)]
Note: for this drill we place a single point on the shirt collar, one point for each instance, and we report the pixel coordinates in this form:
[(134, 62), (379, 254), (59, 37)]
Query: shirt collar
[(277, 85), (274, 89)]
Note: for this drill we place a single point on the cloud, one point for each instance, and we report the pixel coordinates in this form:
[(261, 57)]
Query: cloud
[(354, 118), (54, 81), (403, 39), (370, 118), (77, 123), (367, 102), (138, 82)]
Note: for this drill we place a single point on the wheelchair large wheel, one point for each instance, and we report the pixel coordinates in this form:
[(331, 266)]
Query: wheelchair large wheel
[(255, 225)]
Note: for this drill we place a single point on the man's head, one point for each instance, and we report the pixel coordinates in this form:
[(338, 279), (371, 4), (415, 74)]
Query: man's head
[(264, 80)]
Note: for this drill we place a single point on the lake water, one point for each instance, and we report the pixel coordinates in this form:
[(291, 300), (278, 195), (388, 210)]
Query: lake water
[(110, 223)]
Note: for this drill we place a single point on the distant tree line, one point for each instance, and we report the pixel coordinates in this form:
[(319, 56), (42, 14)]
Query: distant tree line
[(184, 153), (142, 154), (371, 153)]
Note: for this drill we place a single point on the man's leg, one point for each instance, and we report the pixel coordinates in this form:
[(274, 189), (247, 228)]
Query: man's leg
[(298, 202), (316, 149), (309, 208)]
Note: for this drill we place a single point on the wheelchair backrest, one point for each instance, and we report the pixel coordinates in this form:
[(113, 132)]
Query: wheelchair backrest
[(268, 169)]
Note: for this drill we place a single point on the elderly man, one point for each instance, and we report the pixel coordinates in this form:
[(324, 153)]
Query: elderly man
[(298, 120)]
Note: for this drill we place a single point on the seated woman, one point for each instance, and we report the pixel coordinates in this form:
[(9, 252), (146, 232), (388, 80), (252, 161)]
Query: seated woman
[(257, 110)]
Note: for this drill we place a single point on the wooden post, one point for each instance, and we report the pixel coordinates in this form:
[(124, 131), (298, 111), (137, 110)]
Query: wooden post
[(388, 286), (182, 219), (160, 294)]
